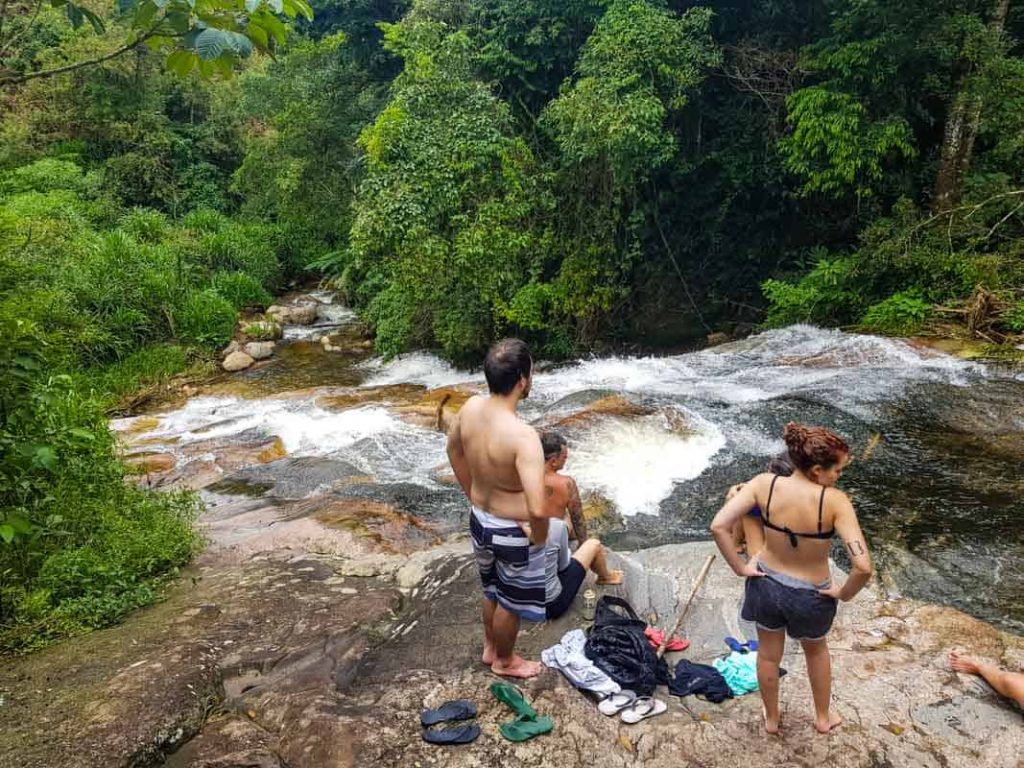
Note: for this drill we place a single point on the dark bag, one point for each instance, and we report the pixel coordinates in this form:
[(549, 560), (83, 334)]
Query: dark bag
[(606, 615), (618, 647)]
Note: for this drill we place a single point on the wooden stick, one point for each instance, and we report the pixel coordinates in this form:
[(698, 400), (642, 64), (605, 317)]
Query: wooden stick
[(686, 608)]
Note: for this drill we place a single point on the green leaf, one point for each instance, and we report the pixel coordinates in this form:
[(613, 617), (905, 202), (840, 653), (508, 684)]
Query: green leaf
[(7, 533), (20, 524), (258, 35), (239, 44), (145, 14), (181, 62), (95, 21), (45, 457), (74, 15), (85, 434), (211, 44)]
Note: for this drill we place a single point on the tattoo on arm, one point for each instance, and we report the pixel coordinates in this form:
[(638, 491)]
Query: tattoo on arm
[(549, 491), (855, 548), (579, 522)]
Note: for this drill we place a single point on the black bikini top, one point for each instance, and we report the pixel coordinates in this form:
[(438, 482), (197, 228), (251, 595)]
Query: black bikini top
[(793, 535)]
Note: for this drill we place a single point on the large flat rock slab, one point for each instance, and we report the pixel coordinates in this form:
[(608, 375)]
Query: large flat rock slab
[(320, 660)]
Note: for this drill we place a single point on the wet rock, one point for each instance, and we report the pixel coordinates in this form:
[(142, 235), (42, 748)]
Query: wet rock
[(259, 350), (301, 313), (297, 477), (391, 394), (151, 462), (716, 338), (610, 405), (382, 524), (436, 408), (237, 361)]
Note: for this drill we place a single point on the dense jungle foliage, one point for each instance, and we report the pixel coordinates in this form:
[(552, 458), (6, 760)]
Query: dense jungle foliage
[(578, 173)]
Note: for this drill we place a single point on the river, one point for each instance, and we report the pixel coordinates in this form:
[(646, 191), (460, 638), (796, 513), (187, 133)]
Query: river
[(938, 442)]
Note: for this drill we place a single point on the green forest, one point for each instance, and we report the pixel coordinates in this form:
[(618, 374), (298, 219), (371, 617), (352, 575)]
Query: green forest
[(584, 174)]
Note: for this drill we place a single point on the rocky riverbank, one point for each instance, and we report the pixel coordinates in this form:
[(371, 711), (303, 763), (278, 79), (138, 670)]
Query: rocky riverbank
[(337, 598), (299, 658)]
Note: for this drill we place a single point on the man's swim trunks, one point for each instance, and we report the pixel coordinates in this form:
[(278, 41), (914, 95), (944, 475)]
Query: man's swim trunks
[(778, 601), (511, 569)]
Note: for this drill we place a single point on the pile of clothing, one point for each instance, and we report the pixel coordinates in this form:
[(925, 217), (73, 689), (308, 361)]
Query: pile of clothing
[(618, 661)]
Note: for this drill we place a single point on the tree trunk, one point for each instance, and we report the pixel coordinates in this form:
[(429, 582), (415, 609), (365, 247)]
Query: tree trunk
[(961, 129)]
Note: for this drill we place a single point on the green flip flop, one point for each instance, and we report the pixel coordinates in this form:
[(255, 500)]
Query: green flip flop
[(523, 729), (513, 697)]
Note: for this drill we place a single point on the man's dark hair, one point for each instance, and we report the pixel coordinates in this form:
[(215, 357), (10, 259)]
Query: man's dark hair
[(552, 443), (506, 363)]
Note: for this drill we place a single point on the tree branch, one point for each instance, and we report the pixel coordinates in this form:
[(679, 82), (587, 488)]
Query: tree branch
[(18, 79)]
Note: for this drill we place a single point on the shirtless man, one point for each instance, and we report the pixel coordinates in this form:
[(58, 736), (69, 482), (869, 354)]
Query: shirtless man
[(498, 461), (562, 500)]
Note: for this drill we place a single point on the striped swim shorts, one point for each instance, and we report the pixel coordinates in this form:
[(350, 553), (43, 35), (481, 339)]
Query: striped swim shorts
[(511, 568)]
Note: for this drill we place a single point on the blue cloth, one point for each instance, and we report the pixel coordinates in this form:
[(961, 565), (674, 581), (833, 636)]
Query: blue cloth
[(699, 679), (739, 671)]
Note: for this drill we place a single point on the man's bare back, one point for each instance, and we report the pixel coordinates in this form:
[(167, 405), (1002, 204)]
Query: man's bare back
[(496, 445)]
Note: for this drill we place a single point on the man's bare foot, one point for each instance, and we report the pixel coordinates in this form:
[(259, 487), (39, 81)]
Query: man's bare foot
[(963, 663), (488, 658), (613, 578), (833, 722), (517, 666), (770, 726)]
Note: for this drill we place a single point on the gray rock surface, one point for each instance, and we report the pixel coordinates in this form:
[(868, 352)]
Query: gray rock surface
[(259, 350), (237, 361), (300, 659)]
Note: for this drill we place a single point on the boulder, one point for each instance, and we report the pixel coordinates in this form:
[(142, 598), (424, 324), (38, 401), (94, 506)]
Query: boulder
[(716, 338), (237, 361), (259, 350), (234, 346), (303, 313)]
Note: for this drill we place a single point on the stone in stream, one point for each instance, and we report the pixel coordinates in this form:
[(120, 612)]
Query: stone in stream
[(301, 313), (259, 350), (237, 361)]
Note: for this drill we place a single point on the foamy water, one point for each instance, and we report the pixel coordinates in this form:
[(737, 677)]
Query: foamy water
[(635, 463)]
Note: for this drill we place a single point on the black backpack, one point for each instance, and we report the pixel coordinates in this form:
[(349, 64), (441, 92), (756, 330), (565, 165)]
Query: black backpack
[(618, 647)]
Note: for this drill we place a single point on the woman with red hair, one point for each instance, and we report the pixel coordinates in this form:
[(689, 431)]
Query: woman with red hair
[(789, 587)]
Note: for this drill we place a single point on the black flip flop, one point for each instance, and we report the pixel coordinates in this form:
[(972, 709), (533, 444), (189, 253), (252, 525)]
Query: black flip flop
[(459, 734), (460, 709)]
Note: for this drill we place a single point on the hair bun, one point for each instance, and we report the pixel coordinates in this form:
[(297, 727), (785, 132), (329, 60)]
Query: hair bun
[(794, 434)]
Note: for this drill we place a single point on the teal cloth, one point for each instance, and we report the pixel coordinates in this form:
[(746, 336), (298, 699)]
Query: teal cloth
[(739, 671)]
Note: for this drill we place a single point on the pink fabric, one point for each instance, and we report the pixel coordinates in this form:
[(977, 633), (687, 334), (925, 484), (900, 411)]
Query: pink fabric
[(656, 636)]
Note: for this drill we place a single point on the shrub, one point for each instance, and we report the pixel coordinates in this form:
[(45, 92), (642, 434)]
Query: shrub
[(241, 247), (1014, 318), (46, 175), (900, 314), (240, 289), (204, 220), (206, 318), (145, 225)]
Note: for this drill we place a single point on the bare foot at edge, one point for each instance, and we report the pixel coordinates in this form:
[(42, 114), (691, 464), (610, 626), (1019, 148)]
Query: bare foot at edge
[(834, 721), (517, 666), (614, 578), (771, 727), (963, 663), (488, 656)]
